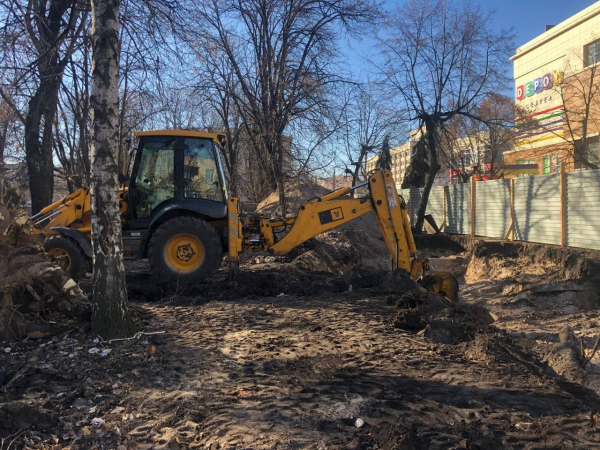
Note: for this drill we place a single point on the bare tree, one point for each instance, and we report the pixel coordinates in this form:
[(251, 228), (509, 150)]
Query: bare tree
[(579, 91), (218, 88), (440, 60), (476, 145), (281, 54), (72, 127), (368, 118), (39, 38), (110, 317), (10, 129)]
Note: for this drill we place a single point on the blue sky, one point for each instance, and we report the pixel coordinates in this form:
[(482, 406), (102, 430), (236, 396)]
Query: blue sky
[(529, 17)]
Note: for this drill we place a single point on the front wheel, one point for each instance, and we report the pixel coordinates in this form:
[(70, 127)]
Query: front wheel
[(69, 255), (185, 249)]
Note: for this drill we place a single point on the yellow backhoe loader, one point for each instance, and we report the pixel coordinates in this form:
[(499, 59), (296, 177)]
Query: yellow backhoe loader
[(176, 212)]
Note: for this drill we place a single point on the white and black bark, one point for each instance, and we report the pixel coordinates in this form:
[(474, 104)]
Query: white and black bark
[(110, 316)]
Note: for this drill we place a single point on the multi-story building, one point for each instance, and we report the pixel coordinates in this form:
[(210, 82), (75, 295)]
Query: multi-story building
[(400, 154), (400, 161), (553, 76)]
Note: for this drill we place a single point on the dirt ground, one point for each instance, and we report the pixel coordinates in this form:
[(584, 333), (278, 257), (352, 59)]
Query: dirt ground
[(286, 358)]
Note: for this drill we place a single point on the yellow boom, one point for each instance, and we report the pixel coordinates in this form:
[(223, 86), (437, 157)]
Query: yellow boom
[(330, 211)]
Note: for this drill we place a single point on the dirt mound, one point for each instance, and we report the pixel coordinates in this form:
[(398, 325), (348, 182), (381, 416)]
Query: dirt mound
[(437, 242), (325, 254), (439, 319), (356, 243), (567, 358), (296, 193), (398, 282), (37, 299), (526, 261)]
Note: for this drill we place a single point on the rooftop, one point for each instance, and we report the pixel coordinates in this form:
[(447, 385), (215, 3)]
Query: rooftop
[(564, 26)]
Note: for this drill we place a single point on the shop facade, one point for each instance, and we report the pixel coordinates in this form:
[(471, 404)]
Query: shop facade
[(555, 114)]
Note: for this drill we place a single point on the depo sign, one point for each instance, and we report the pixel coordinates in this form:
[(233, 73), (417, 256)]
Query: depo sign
[(539, 84)]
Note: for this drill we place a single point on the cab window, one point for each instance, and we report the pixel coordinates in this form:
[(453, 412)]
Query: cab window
[(200, 172), (155, 176)]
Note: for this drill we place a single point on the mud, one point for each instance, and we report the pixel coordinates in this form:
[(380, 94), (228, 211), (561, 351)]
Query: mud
[(283, 358), (439, 319)]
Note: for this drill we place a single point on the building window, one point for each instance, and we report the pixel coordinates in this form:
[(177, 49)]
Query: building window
[(524, 161), (592, 53), (550, 164), (593, 150), (588, 157)]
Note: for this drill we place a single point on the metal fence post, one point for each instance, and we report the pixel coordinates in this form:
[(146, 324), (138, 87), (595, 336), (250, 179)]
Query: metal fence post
[(563, 205), (511, 228), (472, 207), (443, 227), (512, 209)]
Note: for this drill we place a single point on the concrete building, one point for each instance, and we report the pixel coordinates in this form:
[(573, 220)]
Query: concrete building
[(400, 154), (400, 161), (479, 154), (549, 72)]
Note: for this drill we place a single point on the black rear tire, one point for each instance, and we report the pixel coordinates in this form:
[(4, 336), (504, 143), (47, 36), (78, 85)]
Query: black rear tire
[(185, 250), (69, 255)]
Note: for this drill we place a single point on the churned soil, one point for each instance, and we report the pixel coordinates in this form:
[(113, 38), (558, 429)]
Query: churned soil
[(286, 359)]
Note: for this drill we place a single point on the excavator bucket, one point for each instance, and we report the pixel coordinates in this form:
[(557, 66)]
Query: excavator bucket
[(441, 282)]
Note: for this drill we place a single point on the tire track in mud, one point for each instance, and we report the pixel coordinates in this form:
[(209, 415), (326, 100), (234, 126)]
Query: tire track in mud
[(297, 372)]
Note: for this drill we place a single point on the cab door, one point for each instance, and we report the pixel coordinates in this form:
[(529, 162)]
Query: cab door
[(154, 184), (201, 174)]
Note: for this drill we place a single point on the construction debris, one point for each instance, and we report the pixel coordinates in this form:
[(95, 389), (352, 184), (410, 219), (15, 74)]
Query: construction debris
[(37, 299)]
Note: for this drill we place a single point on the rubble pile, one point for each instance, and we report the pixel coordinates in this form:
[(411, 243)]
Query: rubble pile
[(37, 299)]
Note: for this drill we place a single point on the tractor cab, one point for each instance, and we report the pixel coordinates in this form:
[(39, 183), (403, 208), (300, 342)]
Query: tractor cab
[(176, 203), (175, 170), (173, 209)]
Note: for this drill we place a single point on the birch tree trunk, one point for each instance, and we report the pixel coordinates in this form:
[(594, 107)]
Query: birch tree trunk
[(110, 316)]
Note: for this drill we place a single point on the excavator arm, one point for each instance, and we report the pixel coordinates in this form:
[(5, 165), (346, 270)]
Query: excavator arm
[(72, 211), (330, 211)]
